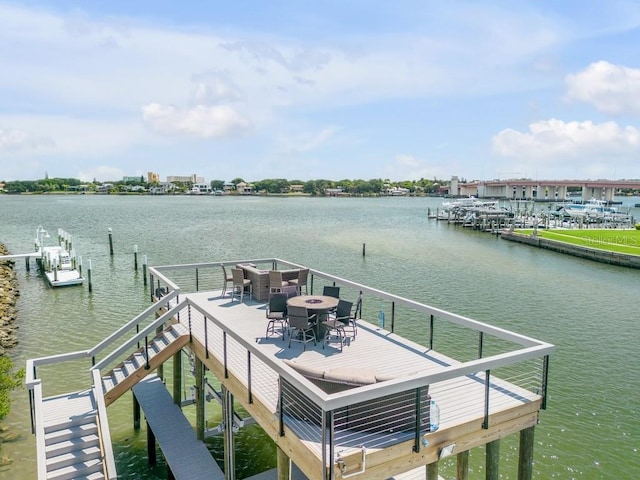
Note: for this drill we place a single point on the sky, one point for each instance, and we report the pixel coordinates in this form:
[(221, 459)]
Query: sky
[(332, 89)]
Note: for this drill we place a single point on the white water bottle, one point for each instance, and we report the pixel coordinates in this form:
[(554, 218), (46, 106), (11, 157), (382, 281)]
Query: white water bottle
[(434, 416)]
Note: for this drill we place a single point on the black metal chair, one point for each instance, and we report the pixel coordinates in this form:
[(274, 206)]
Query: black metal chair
[(301, 328), (277, 314), (331, 291), (343, 315)]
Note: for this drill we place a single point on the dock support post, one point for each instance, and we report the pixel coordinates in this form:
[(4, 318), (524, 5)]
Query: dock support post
[(136, 412), (27, 264), (89, 277), (364, 249), (151, 446), (110, 242), (432, 471), (144, 269), (525, 461), (492, 455), (177, 378), (284, 464), (462, 466), (199, 373), (135, 257), (229, 444)]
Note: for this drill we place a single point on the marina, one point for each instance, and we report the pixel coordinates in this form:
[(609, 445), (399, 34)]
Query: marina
[(584, 308)]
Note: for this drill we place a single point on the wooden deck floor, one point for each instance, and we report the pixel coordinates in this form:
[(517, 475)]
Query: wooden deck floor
[(461, 400)]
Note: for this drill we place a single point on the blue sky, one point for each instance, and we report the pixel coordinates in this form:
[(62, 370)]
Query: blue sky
[(330, 89)]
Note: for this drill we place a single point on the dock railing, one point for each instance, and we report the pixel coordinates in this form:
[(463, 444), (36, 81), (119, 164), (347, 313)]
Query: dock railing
[(243, 359), (315, 415)]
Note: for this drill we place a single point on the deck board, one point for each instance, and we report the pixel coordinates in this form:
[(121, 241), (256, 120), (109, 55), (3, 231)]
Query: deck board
[(187, 456), (460, 399)]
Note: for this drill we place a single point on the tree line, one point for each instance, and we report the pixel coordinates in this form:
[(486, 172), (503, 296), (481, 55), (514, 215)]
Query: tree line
[(269, 185)]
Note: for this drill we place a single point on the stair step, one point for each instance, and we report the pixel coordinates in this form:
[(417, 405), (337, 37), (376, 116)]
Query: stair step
[(89, 469), (66, 433), (87, 418), (108, 383), (70, 444), (74, 457)]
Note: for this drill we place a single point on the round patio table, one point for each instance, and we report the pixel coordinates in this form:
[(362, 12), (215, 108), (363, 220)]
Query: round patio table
[(318, 304)]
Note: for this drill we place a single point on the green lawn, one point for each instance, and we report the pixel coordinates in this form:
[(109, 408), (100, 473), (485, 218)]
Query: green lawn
[(621, 241)]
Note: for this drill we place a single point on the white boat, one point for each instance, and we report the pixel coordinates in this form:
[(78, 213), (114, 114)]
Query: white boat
[(594, 210), (57, 264), (469, 203)]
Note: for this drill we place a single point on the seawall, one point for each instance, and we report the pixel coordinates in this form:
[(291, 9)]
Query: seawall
[(613, 258), (9, 294)]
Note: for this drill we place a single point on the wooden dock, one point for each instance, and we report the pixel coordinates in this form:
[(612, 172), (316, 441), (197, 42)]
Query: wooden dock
[(366, 411)]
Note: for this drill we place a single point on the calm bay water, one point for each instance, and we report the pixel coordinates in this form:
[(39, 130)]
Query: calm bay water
[(590, 311)]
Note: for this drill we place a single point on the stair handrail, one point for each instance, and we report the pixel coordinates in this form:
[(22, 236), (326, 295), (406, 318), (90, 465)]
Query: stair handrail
[(106, 447), (38, 425), (132, 323), (126, 347)]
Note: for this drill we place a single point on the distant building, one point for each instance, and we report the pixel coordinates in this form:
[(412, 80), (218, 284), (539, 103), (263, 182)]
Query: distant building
[(153, 177), (190, 179), (244, 188), (133, 179)]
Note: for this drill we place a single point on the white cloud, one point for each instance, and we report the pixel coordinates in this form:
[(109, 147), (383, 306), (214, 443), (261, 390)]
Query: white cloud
[(585, 147), (306, 142), (613, 89), (101, 173), (22, 140), (200, 121), (409, 167)]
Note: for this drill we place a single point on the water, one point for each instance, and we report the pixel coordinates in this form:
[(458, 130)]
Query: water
[(588, 310)]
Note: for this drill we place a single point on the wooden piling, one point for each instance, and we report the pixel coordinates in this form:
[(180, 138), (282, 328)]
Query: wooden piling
[(151, 446), (110, 242), (525, 460), (135, 257), (177, 378), (89, 277), (364, 249), (284, 464), (144, 269), (462, 466), (199, 373), (432, 471), (492, 457), (136, 413)]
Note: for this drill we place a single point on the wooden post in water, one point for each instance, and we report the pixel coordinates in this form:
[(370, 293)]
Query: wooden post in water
[(110, 242), (364, 249), (136, 412), (151, 446), (284, 464), (492, 456), (135, 257), (432, 471), (177, 378), (229, 434), (80, 265), (199, 373), (462, 466), (525, 460), (27, 263), (89, 276), (144, 269)]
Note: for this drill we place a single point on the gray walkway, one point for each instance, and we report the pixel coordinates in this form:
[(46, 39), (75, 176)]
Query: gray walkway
[(187, 457)]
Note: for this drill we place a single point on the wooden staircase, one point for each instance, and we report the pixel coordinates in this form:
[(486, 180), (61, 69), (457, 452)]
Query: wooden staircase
[(137, 366), (72, 443)]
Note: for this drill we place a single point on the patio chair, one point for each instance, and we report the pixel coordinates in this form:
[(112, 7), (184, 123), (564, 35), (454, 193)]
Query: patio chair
[(343, 315), (240, 284), (276, 282), (331, 291), (277, 314), (301, 329), (334, 328), (301, 281), (228, 278)]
